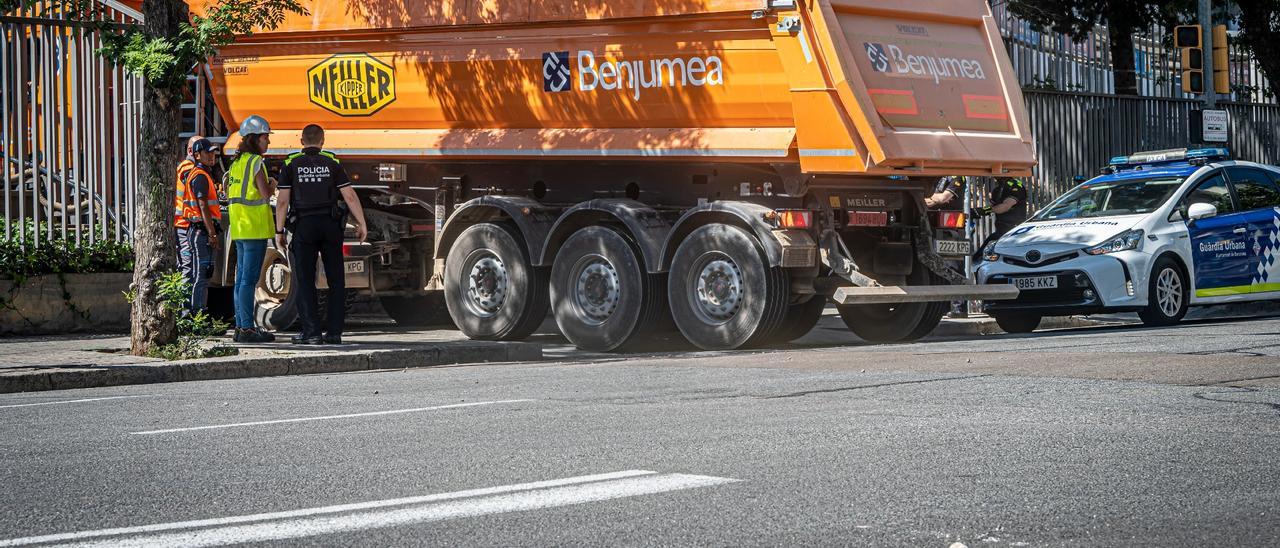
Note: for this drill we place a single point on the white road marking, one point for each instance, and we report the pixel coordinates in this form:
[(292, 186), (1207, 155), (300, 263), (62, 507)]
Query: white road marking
[(326, 418), (385, 513), (71, 401)]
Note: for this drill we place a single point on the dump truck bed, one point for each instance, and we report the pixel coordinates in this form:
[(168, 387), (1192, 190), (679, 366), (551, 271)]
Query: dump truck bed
[(838, 86)]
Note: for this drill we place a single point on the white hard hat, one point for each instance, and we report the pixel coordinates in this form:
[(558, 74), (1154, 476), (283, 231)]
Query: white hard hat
[(254, 125)]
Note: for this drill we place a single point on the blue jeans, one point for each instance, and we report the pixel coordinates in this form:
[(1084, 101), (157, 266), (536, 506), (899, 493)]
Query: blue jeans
[(196, 264), (249, 257)]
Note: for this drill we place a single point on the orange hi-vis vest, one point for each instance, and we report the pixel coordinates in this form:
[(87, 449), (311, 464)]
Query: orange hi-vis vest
[(186, 209)]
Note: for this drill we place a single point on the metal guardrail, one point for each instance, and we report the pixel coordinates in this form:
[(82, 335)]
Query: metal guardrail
[(70, 125)]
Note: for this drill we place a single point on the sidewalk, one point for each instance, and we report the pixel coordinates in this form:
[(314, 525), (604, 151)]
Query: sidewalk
[(86, 361)]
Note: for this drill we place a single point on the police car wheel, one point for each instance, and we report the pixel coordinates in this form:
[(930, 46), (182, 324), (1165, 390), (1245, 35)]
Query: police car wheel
[(1168, 294), (492, 289), (722, 292), (602, 295), (1017, 323)]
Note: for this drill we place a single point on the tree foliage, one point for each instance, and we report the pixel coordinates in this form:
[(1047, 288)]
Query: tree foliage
[(165, 61), (1123, 19), (1259, 22)]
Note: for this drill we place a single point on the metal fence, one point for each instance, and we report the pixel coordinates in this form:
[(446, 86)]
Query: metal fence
[(69, 123)]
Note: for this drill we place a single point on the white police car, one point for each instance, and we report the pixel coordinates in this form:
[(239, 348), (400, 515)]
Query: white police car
[(1159, 232)]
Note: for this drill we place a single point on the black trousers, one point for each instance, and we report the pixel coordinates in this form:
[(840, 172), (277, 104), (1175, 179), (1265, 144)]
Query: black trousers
[(318, 235)]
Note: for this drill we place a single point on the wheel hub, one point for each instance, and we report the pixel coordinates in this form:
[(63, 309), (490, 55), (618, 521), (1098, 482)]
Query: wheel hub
[(487, 285), (597, 289), (719, 289), (1169, 292)]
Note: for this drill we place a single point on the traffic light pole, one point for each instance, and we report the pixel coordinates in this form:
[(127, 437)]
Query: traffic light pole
[(1206, 50)]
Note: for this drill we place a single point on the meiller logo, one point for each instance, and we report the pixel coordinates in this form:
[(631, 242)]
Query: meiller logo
[(618, 74), (891, 58)]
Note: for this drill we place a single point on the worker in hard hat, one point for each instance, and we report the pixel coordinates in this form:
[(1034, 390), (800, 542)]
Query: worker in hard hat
[(249, 191)]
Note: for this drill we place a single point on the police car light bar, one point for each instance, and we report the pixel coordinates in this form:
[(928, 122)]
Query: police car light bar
[(1174, 155)]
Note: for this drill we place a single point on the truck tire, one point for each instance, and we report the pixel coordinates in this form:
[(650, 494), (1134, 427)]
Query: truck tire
[(1015, 322), (602, 295), (801, 318), (275, 302), (492, 289), (897, 322), (1168, 294), (722, 291), (418, 311)]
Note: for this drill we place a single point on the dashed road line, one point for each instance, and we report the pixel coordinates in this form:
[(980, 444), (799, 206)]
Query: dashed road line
[(325, 418), (71, 401), (347, 518)]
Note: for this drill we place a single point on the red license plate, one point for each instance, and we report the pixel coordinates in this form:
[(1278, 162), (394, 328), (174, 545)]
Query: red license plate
[(868, 218)]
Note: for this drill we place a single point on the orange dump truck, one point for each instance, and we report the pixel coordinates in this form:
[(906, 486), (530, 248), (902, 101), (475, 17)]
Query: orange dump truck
[(724, 165)]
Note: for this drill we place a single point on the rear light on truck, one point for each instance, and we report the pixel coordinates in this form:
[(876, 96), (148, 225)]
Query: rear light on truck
[(794, 218), (950, 219)]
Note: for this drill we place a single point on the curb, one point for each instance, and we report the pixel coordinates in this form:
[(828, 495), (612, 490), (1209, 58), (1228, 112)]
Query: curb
[(234, 367)]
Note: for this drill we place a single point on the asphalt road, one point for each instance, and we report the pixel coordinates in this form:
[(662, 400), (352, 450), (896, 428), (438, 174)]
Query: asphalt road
[(1093, 437)]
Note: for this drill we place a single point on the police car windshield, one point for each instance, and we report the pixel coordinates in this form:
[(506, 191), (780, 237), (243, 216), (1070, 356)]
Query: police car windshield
[(1111, 198)]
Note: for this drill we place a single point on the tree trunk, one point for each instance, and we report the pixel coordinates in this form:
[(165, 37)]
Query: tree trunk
[(159, 149), (1126, 77), (1262, 37)]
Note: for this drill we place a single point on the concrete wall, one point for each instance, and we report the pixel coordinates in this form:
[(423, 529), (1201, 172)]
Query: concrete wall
[(38, 307)]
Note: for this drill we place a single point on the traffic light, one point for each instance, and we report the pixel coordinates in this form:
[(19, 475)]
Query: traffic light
[(1188, 39), (1221, 64)]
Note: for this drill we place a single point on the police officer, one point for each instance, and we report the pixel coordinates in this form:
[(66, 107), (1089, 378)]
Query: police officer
[(1009, 199), (311, 185), (949, 191), (196, 217)]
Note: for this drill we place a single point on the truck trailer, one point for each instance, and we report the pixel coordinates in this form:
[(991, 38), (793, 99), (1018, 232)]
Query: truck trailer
[(726, 167)]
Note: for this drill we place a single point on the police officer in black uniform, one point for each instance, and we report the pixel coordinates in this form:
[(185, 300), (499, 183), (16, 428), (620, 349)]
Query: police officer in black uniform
[(948, 192), (1009, 205), (312, 184)]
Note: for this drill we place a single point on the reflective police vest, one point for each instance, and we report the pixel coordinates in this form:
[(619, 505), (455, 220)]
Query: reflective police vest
[(186, 208), (250, 211)]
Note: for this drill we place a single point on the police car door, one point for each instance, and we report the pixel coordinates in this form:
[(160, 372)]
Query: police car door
[(1217, 243), (1259, 199)]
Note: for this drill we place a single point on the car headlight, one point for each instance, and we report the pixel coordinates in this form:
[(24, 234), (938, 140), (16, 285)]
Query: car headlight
[(989, 253), (1125, 241)]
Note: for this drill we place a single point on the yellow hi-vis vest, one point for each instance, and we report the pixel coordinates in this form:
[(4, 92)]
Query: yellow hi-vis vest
[(250, 211)]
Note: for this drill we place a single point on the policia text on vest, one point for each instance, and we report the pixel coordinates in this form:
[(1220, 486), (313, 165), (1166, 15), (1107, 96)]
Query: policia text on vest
[(312, 184)]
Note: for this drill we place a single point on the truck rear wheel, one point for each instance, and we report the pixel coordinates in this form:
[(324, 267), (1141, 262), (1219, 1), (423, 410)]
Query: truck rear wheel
[(418, 311), (603, 296), (897, 322), (801, 318), (1014, 322), (492, 289), (722, 291)]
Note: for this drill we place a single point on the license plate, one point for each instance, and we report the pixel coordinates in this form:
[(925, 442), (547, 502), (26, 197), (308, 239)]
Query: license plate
[(868, 218), (954, 247), (355, 267), (1038, 282)]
